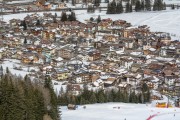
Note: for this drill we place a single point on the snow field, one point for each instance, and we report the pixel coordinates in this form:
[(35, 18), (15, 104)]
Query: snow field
[(110, 111), (11, 63)]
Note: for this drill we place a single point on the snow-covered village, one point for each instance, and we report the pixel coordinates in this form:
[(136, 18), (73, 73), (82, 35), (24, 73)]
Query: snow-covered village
[(90, 59)]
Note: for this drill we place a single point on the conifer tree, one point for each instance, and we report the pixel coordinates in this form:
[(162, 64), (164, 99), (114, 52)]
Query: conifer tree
[(24, 25), (73, 2), (172, 7), (127, 7), (119, 8), (108, 9), (90, 9), (142, 5), (63, 16), (133, 2), (148, 5), (130, 8), (113, 7), (138, 6), (82, 101), (118, 97), (7, 70), (101, 97), (20, 100), (25, 40), (93, 98), (72, 16), (38, 22), (99, 19), (164, 6), (158, 5)]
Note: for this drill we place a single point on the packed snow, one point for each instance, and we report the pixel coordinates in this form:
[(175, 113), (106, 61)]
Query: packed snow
[(120, 111)]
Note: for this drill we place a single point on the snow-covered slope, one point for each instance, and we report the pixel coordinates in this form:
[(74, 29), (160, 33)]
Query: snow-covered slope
[(110, 111)]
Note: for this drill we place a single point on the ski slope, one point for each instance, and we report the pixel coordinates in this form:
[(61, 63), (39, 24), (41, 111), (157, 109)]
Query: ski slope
[(110, 111)]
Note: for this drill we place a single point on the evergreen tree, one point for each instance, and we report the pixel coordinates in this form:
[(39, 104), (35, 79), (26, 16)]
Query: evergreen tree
[(38, 22), (90, 9), (73, 2), (99, 19), (119, 8), (21, 100), (164, 6), (130, 8), (111, 96), (55, 15), (72, 16), (108, 9), (158, 5), (172, 7), (7, 70), (96, 3), (138, 6), (24, 25), (118, 97), (101, 97), (82, 101), (142, 5), (133, 98), (125, 97), (127, 7), (91, 19), (25, 40), (148, 5), (93, 98), (63, 16), (113, 7), (145, 93), (133, 2)]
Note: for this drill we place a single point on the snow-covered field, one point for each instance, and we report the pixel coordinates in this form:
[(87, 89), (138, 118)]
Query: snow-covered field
[(19, 1), (110, 111), (165, 21), (11, 63), (172, 1)]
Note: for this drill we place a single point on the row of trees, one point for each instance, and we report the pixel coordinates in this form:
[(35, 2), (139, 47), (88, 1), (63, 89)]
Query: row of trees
[(26, 100), (159, 5), (96, 2), (116, 8), (65, 17), (101, 96)]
